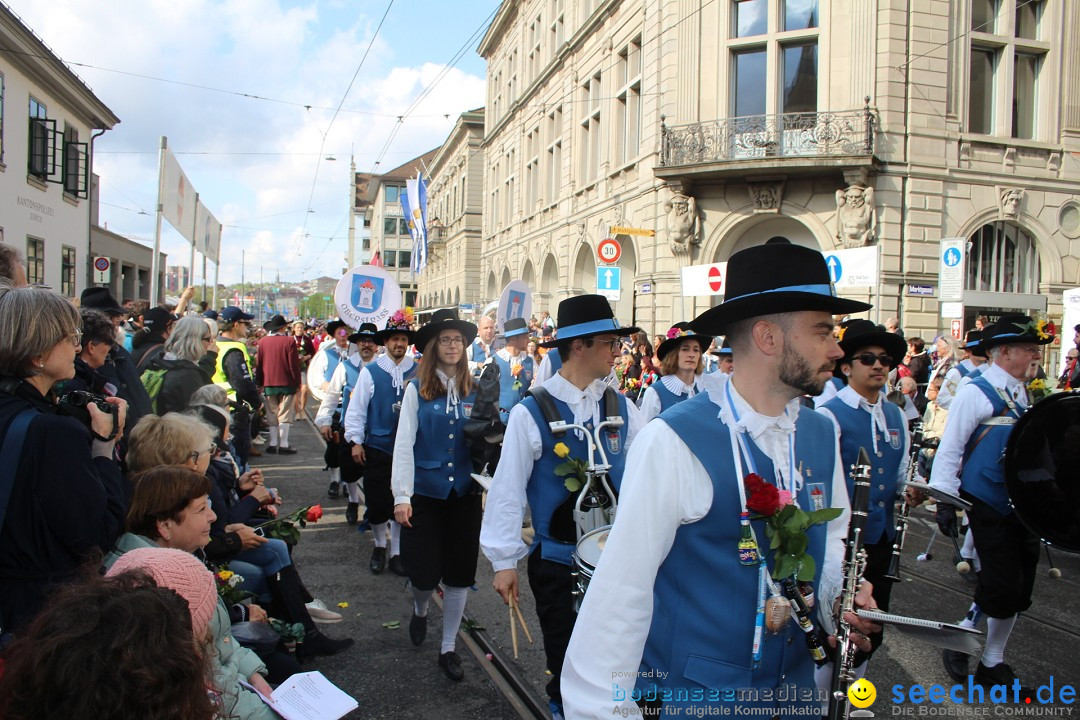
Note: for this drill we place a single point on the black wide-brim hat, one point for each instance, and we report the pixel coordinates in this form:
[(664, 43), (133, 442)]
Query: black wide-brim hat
[(778, 278), (367, 331), (446, 319), (685, 333), (275, 323), (99, 298), (859, 334), (334, 325), (585, 316), (1012, 329), (388, 332), (724, 351), (973, 343), (514, 327)]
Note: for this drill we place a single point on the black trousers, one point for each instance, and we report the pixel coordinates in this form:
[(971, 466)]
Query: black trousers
[(377, 493), (351, 471), (1009, 555), (443, 542), (551, 586), (878, 556)]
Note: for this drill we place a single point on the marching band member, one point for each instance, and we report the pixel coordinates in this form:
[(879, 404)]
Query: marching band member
[(332, 409), (725, 361), (974, 356), (865, 419), (671, 605), (968, 463), (371, 422), (480, 349), (681, 368), (319, 373), (588, 343), (436, 501), (515, 366)]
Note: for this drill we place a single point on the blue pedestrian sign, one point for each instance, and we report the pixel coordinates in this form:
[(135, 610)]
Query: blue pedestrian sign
[(836, 268), (609, 281), (951, 257)]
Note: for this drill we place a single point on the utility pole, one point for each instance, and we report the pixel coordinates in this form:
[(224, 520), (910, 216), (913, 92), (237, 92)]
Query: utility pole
[(351, 260)]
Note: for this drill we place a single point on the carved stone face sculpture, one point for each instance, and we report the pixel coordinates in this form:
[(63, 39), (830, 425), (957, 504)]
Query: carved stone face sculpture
[(855, 215), (1010, 202)]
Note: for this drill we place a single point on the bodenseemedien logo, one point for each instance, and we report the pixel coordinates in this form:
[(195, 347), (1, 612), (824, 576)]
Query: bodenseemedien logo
[(1005, 700)]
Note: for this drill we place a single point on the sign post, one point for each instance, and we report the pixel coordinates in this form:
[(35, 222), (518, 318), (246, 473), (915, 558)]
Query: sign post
[(102, 270)]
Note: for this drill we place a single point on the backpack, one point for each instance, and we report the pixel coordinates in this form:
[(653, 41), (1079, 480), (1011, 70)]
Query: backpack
[(153, 379)]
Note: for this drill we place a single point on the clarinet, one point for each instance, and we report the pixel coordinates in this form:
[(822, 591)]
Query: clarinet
[(854, 565), (893, 573)]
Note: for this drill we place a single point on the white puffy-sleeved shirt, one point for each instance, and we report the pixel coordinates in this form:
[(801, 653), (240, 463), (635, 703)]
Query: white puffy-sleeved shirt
[(355, 421), (969, 408), (650, 400), (316, 372), (877, 417), (500, 534), (951, 383), (332, 392), (665, 487)]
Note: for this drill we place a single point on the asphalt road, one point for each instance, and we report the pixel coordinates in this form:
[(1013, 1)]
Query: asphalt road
[(391, 679)]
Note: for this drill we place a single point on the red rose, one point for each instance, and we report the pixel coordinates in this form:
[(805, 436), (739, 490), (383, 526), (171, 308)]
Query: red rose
[(753, 483), (766, 501), (314, 513)]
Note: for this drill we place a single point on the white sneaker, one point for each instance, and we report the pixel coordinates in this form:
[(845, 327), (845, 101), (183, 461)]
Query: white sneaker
[(320, 614), (258, 441)]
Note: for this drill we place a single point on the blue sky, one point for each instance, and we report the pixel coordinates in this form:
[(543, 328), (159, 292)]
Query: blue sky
[(259, 165)]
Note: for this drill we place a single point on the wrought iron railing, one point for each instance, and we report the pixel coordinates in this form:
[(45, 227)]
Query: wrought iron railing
[(791, 135)]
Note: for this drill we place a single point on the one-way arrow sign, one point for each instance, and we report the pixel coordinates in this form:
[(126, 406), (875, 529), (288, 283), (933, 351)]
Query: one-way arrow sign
[(609, 282)]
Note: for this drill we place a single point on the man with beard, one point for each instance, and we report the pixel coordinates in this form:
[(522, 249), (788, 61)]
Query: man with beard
[(674, 602), (371, 421), (865, 419), (335, 404)]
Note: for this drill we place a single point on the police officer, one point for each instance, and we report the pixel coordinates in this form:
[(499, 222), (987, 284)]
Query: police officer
[(865, 419), (515, 366), (371, 422), (234, 373), (588, 344), (681, 368), (332, 409), (968, 462)]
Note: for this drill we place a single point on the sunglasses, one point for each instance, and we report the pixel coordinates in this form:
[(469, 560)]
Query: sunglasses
[(868, 359)]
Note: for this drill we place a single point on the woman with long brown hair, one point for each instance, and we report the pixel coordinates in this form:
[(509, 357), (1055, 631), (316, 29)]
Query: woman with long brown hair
[(435, 498)]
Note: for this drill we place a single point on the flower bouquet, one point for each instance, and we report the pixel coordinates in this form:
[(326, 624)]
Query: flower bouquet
[(285, 527), (228, 586), (1038, 390), (785, 525)]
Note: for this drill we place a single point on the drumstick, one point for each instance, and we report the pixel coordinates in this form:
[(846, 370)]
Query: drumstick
[(513, 628), (521, 619)]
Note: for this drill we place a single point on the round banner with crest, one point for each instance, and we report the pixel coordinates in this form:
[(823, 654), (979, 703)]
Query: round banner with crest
[(515, 302), (367, 294)]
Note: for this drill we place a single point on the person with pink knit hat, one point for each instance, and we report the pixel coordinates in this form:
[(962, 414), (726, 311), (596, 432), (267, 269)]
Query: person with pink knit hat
[(182, 573)]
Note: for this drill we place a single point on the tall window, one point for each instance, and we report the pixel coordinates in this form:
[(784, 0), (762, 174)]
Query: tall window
[(392, 192), (532, 170), (553, 167), (557, 32), (589, 147), (35, 260), (67, 271), (1003, 258), (496, 208), (628, 101), (1, 117), (508, 186), (773, 50), (1005, 65), (74, 167), (39, 139), (536, 32), (389, 226)]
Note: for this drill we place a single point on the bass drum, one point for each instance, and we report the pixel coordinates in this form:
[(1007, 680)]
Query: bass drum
[(1042, 470)]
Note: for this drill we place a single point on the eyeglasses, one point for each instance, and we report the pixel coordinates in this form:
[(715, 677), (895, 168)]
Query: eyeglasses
[(450, 341), (76, 337), (612, 345), (208, 339), (195, 455), (868, 359)]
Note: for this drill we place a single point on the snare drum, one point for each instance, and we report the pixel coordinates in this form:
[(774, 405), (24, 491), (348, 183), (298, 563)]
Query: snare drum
[(586, 558)]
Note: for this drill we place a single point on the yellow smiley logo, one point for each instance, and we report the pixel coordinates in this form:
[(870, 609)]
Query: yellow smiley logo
[(862, 693)]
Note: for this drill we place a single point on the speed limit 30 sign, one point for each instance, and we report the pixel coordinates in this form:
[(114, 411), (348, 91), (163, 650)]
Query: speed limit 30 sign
[(609, 250)]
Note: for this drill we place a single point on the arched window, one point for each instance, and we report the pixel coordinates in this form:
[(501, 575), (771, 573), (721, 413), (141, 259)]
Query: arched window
[(1003, 258)]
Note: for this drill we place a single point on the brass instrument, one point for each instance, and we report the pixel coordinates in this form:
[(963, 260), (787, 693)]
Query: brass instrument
[(854, 565)]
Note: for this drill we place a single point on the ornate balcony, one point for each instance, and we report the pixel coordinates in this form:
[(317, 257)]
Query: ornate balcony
[(793, 143)]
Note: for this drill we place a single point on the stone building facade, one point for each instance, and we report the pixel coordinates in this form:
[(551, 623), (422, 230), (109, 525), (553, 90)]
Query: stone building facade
[(707, 127)]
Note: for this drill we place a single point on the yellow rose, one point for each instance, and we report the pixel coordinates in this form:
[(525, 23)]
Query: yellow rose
[(225, 574), (561, 450)]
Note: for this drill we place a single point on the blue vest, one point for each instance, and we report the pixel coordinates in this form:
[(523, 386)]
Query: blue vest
[(333, 359), (962, 369), (382, 416), (476, 351), (508, 396), (983, 475), (667, 398), (855, 434), (441, 453), (705, 601), (352, 376), (546, 490)]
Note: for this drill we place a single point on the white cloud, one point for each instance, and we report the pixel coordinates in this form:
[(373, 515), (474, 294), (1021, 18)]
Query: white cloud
[(303, 53)]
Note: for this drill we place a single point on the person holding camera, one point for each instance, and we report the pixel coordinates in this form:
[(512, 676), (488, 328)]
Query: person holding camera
[(65, 496)]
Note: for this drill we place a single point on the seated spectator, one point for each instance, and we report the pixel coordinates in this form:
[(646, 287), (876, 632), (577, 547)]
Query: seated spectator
[(186, 363), (86, 654), (176, 440), (68, 497)]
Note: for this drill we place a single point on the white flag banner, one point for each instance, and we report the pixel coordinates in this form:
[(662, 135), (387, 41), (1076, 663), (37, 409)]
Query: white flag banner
[(207, 233), (177, 197)]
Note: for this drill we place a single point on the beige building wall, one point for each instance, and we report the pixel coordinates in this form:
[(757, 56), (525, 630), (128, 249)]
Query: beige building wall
[(558, 174)]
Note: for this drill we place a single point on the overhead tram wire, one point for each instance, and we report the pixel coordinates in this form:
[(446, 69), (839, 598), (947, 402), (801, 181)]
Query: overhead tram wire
[(322, 144)]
